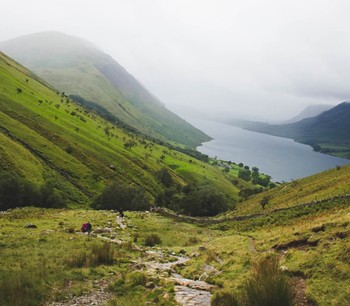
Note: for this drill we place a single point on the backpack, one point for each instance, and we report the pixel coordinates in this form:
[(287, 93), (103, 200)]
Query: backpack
[(86, 227)]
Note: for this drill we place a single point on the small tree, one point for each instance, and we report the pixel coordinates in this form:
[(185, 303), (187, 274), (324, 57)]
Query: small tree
[(119, 196), (244, 174), (265, 200), (204, 201), (165, 177)]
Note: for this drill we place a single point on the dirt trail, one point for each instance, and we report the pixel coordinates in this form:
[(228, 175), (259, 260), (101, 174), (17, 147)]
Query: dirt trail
[(187, 291)]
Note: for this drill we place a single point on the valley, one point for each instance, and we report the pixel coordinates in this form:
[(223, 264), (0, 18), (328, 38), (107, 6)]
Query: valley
[(197, 229)]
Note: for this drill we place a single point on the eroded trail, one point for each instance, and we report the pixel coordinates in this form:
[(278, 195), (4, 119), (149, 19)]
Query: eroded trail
[(187, 291), (157, 263)]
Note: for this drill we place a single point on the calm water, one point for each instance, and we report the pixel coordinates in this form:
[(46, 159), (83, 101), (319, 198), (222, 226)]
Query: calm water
[(281, 158)]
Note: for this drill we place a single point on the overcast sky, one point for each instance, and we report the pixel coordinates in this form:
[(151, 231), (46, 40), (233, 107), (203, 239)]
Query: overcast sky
[(258, 58)]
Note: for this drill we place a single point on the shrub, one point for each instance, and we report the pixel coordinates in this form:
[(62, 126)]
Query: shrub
[(50, 197), (152, 240), (165, 177), (137, 279), (118, 196), (222, 298), (192, 241), (268, 286), (18, 192), (204, 201)]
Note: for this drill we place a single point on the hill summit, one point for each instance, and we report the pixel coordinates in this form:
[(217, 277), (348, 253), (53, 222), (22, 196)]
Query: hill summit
[(77, 67)]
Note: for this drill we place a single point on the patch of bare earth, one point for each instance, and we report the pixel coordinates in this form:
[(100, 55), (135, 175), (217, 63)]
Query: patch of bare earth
[(299, 285)]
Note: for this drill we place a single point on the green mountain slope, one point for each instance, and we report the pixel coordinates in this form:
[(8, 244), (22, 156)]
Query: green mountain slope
[(45, 136), (318, 187), (77, 67)]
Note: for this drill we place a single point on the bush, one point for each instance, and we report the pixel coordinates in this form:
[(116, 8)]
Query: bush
[(221, 298), (204, 201), (165, 177), (268, 286), (137, 279), (152, 239), (18, 192), (117, 196)]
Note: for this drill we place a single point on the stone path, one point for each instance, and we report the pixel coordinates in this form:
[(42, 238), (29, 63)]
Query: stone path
[(188, 292), (99, 296)]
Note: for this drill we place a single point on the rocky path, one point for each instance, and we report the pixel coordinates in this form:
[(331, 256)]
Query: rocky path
[(187, 291), (99, 296)]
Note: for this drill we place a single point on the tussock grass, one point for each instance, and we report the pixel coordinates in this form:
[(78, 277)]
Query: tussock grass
[(98, 254), (129, 300), (137, 279), (19, 288), (152, 240), (222, 298), (268, 286)]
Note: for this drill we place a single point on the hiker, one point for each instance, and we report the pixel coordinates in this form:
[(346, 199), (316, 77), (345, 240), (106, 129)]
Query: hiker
[(86, 228), (121, 214)]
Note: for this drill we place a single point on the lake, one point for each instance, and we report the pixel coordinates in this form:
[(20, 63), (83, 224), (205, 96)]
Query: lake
[(282, 158)]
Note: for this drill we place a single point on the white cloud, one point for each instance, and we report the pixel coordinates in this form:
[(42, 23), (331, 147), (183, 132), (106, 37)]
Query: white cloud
[(259, 58)]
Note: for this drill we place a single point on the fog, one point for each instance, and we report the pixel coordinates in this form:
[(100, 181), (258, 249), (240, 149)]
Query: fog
[(257, 59)]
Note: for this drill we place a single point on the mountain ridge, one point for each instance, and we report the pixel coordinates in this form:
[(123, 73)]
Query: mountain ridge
[(327, 132), (77, 67)]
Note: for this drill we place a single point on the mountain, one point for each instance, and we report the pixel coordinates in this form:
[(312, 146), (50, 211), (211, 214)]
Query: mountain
[(77, 67), (46, 136), (310, 111), (327, 132)]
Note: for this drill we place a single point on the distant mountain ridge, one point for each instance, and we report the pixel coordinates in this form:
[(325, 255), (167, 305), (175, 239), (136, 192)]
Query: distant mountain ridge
[(327, 132), (310, 111), (77, 67)]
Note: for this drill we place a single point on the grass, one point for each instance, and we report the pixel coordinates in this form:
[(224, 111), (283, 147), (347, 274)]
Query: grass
[(330, 183), (268, 286), (84, 75), (230, 248), (41, 139)]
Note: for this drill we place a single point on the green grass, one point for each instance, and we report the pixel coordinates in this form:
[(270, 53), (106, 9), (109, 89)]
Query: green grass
[(41, 140), (87, 72), (330, 183), (56, 253)]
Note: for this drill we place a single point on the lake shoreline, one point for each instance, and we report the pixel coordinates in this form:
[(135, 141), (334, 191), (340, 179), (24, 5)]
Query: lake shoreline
[(284, 159)]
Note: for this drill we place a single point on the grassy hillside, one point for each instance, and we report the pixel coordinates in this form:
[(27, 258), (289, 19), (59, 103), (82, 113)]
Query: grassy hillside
[(330, 183), (77, 67), (46, 136), (55, 262)]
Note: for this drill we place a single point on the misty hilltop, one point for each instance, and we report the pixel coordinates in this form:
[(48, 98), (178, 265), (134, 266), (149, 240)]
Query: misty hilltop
[(310, 111), (77, 67)]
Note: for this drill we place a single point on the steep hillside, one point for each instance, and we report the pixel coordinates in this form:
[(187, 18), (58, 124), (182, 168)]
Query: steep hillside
[(318, 187), (45, 136), (77, 67)]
